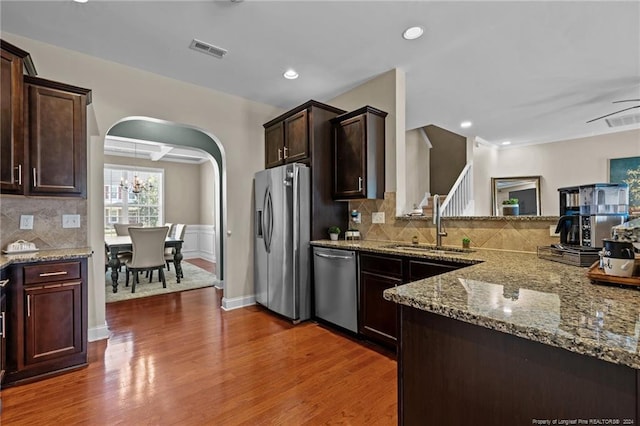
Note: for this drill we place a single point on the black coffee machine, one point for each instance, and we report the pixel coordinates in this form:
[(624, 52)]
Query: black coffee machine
[(588, 212)]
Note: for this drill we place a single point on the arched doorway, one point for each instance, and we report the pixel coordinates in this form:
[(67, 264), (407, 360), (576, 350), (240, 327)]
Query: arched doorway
[(171, 133)]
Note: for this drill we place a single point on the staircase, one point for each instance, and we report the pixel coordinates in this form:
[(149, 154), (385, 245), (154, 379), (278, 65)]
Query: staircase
[(459, 201)]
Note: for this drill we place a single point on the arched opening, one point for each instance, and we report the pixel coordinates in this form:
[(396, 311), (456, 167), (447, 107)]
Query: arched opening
[(177, 134)]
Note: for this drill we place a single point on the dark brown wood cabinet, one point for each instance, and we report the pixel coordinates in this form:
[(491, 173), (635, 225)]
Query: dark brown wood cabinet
[(12, 150), (359, 154), (57, 137), (303, 135), (378, 318), (48, 331), (4, 282), (43, 131)]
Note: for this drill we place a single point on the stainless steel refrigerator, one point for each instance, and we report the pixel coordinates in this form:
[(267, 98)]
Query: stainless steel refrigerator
[(281, 240)]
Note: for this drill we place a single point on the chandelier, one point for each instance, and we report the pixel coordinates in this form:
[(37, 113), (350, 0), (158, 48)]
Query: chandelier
[(138, 185)]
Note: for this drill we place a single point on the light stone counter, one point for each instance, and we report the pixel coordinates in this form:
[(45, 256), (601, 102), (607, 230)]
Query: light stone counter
[(45, 255), (519, 294)]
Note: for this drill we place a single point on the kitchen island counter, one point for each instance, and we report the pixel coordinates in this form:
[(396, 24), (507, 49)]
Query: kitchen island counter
[(519, 294)]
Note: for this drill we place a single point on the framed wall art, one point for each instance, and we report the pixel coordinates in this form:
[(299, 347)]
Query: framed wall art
[(627, 170)]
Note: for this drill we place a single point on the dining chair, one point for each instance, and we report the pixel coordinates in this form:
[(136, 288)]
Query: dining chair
[(170, 252), (148, 253), (122, 229)]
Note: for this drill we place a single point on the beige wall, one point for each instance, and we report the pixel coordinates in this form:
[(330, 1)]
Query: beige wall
[(120, 91), (182, 190), (565, 163), (417, 169), (208, 187)]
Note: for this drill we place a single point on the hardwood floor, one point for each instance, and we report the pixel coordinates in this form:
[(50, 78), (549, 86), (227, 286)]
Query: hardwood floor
[(203, 264), (179, 359)]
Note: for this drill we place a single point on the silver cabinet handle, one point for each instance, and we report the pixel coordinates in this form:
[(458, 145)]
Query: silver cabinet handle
[(52, 274), (360, 183), (3, 283), (279, 154), (19, 168), (34, 178), (28, 305), (2, 315), (285, 152)]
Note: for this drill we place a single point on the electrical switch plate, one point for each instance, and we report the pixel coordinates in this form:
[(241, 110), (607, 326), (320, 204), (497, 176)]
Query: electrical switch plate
[(71, 221), (26, 221), (377, 217), (552, 231)]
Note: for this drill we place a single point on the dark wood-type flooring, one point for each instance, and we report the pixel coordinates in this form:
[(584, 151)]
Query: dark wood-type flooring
[(179, 359)]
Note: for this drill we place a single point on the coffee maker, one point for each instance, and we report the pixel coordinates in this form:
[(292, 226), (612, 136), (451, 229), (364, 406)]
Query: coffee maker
[(588, 212)]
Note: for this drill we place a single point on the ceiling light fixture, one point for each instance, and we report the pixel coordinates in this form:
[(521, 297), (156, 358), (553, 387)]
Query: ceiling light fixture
[(412, 33), (506, 143), (465, 124), (80, 1), (290, 74)]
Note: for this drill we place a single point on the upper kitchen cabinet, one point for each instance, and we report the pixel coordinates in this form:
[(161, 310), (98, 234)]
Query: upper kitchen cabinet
[(303, 135), (290, 137), (358, 154), (56, 135), (15, 62)]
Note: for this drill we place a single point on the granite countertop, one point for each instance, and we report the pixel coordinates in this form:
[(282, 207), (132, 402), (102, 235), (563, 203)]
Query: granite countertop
[(519, 294), (45, 255)]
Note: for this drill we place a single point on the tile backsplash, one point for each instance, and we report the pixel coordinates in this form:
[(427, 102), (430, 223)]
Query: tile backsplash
[(47, 232), (494, 233)]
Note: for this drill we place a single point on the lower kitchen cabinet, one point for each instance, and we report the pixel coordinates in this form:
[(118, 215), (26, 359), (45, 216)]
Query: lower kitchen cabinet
[(4, 282), (48, 309), (378, 318)]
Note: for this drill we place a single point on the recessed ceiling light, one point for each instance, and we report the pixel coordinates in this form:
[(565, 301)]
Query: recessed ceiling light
[(290, 74), (465, 124), (412, 33), (80, 1), (506, 143)]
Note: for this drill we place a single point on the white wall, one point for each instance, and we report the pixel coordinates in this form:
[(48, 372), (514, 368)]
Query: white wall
[(208, 181), (417, 168), (564, 163), (120, 91)]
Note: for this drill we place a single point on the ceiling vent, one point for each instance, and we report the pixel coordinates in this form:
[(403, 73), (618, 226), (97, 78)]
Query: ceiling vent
[(625, 120), (207, 48)]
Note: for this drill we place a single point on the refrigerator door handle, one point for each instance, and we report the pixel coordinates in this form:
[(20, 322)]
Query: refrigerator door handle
[(270, 220), (296, 231), (265, 214)]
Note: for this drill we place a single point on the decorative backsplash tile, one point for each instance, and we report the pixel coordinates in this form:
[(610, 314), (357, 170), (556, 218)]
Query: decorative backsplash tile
[(495, 233), (47, 232)]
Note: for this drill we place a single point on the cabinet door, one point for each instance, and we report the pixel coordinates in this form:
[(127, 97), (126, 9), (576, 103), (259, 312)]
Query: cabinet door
[(419, 269), (378, 317), (349, 165), (274, 145), (296, 137), (57, 142), (12, 164), (53, 321)]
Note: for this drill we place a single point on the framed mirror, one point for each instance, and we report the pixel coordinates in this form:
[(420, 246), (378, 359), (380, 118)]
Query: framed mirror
[(515, 196)]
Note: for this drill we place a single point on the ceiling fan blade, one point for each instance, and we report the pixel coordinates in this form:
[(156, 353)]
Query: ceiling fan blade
[(622, 110), (626, 100)]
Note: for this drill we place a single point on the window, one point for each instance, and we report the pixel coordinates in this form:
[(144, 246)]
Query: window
[(122, 206)]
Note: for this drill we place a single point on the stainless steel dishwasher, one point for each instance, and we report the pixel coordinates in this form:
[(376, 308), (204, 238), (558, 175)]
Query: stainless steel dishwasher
[(336, 287)]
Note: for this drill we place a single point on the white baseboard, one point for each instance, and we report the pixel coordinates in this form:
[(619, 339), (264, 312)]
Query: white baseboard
[(238, 302), (98, 333)]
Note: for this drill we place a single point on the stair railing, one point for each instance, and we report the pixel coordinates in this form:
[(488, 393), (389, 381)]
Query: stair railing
[(460, 195)]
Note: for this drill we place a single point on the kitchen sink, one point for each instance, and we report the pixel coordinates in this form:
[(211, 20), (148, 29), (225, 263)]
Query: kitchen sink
[(429, 249)]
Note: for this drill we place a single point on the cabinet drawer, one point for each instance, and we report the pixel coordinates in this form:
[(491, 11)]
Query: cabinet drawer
[(48, 272), (383, 265)]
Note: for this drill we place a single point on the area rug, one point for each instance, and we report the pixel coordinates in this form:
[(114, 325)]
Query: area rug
[(194, 277)]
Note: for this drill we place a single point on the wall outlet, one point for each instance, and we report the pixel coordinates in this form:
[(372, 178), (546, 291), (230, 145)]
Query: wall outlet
[(552, 231), (71, 221), (377, 217), (26, 221)]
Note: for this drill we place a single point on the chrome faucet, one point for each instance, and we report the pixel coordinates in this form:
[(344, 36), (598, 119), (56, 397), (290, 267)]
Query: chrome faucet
[(437, 220)]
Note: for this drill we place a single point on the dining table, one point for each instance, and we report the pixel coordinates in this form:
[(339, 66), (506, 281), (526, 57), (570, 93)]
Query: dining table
[(122, 243)]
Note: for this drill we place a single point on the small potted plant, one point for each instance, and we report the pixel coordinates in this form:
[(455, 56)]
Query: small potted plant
[(334, 232), (466, 242), (510, 207)]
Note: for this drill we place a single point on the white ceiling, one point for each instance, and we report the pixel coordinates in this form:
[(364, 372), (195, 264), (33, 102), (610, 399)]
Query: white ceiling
[(527, 72)]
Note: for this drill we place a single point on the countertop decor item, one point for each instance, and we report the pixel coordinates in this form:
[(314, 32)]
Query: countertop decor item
[(599, 276), (466, 242), (510, 207), (334, 232)]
